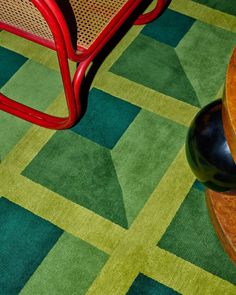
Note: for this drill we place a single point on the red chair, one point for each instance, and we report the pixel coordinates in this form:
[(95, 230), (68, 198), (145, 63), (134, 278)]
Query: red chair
[(77, 30)]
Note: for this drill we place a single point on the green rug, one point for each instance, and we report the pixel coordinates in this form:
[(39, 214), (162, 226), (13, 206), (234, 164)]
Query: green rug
[(111, 206)]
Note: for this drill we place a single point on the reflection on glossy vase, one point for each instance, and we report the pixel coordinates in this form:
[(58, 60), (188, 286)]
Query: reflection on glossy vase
[(207, 150)]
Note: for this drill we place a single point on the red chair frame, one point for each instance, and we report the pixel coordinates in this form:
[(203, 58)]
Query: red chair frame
[(65, 51)]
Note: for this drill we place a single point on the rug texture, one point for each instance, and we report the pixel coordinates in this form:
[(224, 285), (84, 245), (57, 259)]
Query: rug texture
[(110, 207)]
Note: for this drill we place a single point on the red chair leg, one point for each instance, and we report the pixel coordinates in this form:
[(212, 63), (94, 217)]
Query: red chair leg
[(152, 15), (72, 93), (77, 81), (34, 116)]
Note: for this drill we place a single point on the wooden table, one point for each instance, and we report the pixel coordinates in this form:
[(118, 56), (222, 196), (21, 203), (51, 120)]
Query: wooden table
[(222, 206)]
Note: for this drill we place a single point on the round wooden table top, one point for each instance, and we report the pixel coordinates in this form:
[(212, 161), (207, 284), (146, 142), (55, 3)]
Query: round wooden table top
[(222, 206), (222, 209), (229, 105)]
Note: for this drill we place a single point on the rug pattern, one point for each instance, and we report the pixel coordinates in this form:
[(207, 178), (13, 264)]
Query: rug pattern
[(111, 206)]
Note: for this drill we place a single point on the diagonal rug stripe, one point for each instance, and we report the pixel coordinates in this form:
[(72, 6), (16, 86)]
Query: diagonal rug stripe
[(183, 276), (146, 98), (205, 14), (65, 214)]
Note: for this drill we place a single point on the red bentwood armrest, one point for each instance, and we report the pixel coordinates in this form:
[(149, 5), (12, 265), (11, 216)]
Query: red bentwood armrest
[(77, 30)]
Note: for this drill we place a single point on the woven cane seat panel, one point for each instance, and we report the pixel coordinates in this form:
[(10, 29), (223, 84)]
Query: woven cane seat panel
[(92, 16), (24, 15)]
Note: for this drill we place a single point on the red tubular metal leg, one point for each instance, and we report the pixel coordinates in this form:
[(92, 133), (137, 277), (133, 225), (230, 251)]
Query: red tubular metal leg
[(42, 119), (29, 114), (72, 92), (152, 15), (77, 81)]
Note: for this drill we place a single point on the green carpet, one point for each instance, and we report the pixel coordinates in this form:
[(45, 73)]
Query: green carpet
[(111, 206)]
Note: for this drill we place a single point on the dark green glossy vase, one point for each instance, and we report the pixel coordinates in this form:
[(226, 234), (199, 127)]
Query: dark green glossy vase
[(207, 150)]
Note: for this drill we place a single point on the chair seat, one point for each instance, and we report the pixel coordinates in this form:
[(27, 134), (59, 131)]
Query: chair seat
[(23, 15), (92, 17)]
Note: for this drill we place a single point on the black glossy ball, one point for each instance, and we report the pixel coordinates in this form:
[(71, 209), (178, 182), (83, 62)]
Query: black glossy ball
[(207, 150)]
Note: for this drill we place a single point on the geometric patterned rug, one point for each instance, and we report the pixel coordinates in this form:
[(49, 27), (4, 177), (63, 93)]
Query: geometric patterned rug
[(110, 206)]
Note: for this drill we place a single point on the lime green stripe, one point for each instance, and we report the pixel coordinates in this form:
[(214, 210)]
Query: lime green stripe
[(29, 49), (36, 137), (183, 276), (137, 251), (205, 14), (67, 215), (164, 201), (130, 256), (146, 98)]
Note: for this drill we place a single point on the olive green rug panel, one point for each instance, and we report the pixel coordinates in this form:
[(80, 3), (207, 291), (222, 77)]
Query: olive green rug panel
[(32, 84), (138, 158), (144, 62), (81, 171), (69, 268), (215, 46)]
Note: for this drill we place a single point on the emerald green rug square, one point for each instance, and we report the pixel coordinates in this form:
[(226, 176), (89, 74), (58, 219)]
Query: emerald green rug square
[(169, 28), (25, 239), (144, 285), (10, 63), (106, 118), (69, 268)]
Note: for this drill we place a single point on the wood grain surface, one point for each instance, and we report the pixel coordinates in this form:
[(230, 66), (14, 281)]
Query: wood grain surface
[(222, 206), (222, 209), (229, 105)]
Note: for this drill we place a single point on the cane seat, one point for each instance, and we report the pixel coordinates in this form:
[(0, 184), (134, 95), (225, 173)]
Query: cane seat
[(92, 17), (23, 15)]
